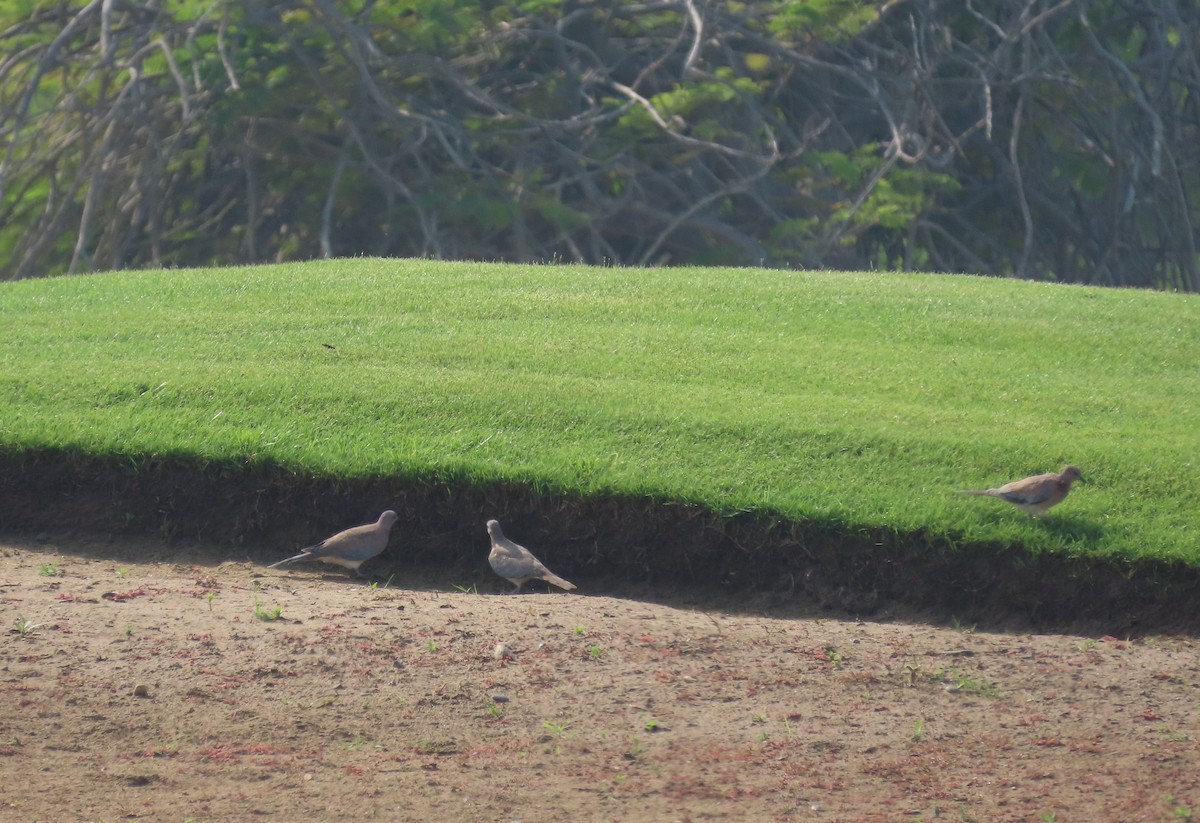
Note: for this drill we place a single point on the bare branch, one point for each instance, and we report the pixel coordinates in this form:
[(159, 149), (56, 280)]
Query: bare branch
[(698, 27), (45, 64), (327, 209)]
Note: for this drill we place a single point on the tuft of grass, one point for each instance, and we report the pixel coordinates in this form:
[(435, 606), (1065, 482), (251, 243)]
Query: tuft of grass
[(24, 626), (561, 729), (267, 615), (376, 586), (48, 570), (959, 681), (846, 400), (1179, 811), (636, 748)]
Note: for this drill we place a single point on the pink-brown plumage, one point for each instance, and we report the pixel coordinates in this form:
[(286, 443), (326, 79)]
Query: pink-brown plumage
[(516, 564), (1035, 495)]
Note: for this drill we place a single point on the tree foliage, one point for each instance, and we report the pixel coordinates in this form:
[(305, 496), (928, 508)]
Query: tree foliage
[(1041, 139)]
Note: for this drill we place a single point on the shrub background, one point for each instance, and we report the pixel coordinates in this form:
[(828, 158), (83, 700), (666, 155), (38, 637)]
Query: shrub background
[(1035, 140)]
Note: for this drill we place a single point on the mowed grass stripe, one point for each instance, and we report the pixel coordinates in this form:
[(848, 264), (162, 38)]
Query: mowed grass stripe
[(853, 400)]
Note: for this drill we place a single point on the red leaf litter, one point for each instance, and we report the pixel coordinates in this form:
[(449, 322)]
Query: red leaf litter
[(122, 596)]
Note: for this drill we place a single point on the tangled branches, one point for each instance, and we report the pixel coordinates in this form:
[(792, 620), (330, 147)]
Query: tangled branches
[(1051, 140)]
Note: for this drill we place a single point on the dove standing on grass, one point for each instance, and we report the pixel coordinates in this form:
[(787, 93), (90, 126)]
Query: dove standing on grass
[(516, 564), (351, 548), (1037, 494)]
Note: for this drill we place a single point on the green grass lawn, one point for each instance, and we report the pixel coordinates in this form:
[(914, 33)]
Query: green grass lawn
[(850, 400)]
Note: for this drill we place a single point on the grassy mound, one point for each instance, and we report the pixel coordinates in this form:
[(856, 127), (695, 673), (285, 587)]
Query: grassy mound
[(847, 404)]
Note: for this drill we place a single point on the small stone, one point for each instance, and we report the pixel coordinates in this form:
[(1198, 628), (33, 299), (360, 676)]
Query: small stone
[(141, 690)]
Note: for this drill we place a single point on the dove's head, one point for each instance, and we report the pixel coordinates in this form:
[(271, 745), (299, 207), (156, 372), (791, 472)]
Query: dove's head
[(493, 527), (1071, 473), (388, 518)]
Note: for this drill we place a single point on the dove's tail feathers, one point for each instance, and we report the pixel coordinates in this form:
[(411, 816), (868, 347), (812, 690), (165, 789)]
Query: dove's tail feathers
[(289, 560), (565, 585)]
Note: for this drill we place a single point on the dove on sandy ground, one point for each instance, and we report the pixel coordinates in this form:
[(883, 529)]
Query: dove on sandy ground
[(350, 548), (1037, 494), (516, 564)]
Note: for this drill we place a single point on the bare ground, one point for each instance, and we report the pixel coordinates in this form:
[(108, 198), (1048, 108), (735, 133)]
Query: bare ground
[(161, 690)]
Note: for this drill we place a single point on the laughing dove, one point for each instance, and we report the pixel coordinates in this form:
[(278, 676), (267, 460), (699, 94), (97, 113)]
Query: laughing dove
[(1037, 494), (351, 548), (516, 564)]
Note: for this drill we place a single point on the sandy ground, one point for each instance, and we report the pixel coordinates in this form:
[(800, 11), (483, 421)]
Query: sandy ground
[(217, 691)]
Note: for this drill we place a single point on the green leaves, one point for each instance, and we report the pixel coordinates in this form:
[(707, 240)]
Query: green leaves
[(829, 20), (748, 132)]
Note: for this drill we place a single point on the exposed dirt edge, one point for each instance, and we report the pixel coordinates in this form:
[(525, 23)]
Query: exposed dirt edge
[(610, 544)]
